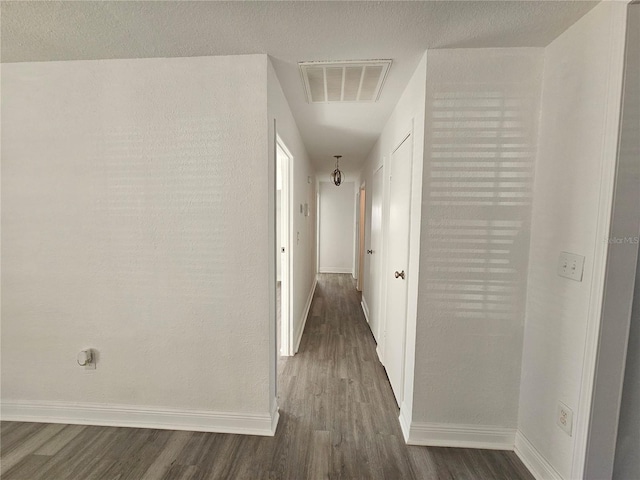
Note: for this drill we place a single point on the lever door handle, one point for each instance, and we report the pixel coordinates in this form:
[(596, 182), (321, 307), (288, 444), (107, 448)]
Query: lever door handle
[(369, 252), (400, 274)]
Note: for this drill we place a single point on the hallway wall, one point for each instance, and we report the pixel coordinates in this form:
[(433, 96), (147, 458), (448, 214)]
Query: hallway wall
[(408, 116), (303, 249), (134, 218), (482, 109), (627, 460), (571, 204), (336, 227)]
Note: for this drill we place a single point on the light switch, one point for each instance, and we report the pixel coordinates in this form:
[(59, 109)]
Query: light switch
[(571, 266)]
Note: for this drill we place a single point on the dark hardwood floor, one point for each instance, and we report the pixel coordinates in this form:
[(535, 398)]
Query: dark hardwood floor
[(338, 419)]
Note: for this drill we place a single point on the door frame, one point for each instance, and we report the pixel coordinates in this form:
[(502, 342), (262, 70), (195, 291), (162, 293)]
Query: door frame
[(286, 238), (407, 136), (413, 125), (375, 274), (361, 218), (386, 190)]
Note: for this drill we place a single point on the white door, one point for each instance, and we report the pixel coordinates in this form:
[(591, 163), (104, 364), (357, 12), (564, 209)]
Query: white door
[(397, 265), (283, 162), (375, 252)]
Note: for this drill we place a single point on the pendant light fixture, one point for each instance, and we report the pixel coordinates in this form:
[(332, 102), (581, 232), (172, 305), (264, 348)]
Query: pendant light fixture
[(336, 175)]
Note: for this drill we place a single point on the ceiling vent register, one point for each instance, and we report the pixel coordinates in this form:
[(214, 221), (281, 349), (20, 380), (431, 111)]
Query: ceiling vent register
[(344, 82)]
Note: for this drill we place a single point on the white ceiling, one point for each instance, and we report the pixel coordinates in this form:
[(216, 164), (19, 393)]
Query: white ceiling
[(289, 32)]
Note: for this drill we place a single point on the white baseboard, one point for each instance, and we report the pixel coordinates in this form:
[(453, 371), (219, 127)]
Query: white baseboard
[(305, 314), (275, 417), (335, 270), (461, 436), (379, 352), (141, 417), (405, 422), (365, 309), (539, 467)]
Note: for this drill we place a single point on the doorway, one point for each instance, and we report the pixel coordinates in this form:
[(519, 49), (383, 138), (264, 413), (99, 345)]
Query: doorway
[(361, 233), (397, 265), (283, 249), (375, 258)]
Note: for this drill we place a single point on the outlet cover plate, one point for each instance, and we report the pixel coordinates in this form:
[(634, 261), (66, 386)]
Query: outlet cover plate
[(571, 266), (564, 418)]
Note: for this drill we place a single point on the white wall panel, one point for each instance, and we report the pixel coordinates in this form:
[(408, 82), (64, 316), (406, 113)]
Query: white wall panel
[(134, 221)]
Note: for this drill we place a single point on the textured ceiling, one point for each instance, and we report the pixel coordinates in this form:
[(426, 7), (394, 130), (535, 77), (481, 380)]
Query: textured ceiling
[(290, 32)]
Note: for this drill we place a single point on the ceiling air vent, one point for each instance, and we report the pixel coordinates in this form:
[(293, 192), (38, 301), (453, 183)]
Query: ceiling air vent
[(347, 81)]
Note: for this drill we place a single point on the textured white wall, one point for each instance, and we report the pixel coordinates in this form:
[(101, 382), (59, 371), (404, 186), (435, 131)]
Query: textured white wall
[(304, 227), (627, 461), (134, 219), (481, 123), (621, 258), (576, 107), (337, 217)]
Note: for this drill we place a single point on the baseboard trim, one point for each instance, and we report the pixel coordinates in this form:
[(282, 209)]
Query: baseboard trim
[(460, 436), (535, 462), (275, 417), (405, 422), (305, 314), (336, 270), (365, 310), (140, 417), (379, 352)]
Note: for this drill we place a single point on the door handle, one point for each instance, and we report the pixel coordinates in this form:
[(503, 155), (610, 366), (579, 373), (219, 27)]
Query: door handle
[(399, 274), (369, 252)]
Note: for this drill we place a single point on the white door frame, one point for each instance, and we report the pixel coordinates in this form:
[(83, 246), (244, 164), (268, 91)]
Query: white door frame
[(361, 216), (385, 236), (286, 319), (378, 274), (407, 136)]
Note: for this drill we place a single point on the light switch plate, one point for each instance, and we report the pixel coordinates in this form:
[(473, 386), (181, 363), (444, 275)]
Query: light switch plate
[(571, 266)]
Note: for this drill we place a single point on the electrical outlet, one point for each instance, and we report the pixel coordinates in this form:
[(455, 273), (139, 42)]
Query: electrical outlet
[(564, 418), (87, 359), (571, 266)]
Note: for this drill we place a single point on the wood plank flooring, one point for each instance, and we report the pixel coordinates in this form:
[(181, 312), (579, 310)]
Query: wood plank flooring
[(338, 420)]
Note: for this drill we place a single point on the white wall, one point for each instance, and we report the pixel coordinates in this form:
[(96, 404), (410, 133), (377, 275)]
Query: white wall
[(572, 204), (620, 275), (627, 460), (303, 249), (336, 227), (134, 218), (481, 127)]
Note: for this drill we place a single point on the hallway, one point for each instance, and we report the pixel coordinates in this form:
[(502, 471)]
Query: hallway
[(335, 394), (338, 419)]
